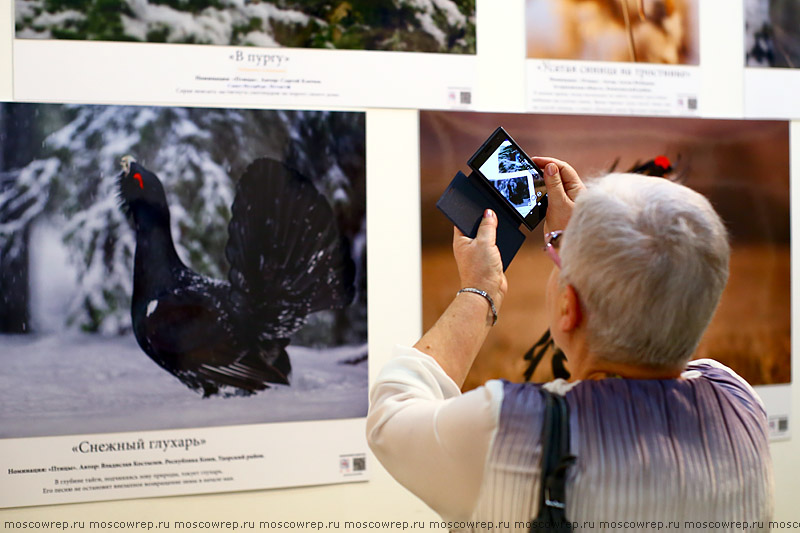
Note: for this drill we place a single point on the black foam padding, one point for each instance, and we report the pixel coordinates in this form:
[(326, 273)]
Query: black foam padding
[(465, 200)]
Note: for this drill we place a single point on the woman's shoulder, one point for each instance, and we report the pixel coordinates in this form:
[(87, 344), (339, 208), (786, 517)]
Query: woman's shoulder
[(702, 377), (523, 402), (727, 379), (704, 382)]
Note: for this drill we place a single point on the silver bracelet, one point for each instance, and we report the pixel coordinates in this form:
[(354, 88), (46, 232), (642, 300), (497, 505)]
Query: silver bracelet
[(485, 295)]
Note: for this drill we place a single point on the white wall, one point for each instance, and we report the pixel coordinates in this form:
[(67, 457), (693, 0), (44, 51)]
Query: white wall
[(394, 283), (786, 455)]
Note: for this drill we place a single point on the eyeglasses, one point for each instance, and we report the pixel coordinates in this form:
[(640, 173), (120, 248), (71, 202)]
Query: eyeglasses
[(551, 241)]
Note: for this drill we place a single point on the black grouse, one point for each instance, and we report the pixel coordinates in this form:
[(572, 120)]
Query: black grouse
[(286, 259)]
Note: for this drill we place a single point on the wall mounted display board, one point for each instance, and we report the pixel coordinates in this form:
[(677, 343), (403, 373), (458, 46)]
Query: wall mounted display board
[(193, 320), (772, 58), (751, 330), (276, 52), (625, 57)]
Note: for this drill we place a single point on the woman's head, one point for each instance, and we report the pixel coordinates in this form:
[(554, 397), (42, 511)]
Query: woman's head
[(649, 260)]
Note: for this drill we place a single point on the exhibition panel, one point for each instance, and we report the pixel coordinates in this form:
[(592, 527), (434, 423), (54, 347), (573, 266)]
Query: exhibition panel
[(772, 58), (619, 58), (751, 331), (187, 190), (166, 268), (253, 53)]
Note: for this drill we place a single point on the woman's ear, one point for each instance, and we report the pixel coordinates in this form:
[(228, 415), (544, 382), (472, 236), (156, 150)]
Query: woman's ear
[(570, 314)]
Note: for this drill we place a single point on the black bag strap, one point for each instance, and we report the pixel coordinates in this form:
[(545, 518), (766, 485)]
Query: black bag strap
[(556, 460)]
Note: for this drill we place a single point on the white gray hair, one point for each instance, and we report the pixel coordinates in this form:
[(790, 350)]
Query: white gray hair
[(649, 260)]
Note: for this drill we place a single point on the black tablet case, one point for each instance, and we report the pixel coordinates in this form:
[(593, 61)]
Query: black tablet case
[(465, 200)]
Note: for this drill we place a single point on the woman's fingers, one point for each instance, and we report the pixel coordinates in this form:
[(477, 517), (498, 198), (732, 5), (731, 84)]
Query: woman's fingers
[(566, 178), (563, 186), (478, 260), (487, 231)]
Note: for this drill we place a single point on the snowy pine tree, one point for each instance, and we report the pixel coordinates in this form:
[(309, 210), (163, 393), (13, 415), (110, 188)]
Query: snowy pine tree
[(70, 179), (442, 26)]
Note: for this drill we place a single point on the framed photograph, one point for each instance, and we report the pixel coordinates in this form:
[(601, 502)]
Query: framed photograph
[(751, 330), (631, 57), (772, 58), (230, 52), (172, 271)]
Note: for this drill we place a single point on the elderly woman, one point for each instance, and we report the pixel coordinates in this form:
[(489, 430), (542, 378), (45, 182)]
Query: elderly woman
[(639, 267)]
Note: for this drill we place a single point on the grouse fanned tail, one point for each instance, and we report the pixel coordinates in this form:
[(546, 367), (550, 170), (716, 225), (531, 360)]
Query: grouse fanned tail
[(286, 255)]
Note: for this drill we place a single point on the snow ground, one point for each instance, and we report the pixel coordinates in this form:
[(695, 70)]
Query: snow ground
[(72, 383), (63, 382)]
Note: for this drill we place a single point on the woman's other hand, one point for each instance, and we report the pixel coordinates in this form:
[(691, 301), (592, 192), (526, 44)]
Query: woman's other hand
[(563, 186), (478, 260)]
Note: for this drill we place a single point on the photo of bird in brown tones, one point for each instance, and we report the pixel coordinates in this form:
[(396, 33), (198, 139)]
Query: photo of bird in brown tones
[(645, 31), (751, 331)]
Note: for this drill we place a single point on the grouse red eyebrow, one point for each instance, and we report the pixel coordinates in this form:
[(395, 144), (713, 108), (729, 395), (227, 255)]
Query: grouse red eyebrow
[(662, 161), (138, 177)]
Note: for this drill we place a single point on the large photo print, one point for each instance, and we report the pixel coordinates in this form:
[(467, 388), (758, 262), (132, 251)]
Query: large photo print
[(772, 33), (741, 166), (441, 26), (166, 267), (657, 31)]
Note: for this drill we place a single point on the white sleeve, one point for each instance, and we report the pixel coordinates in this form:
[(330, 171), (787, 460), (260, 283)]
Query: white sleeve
[(430, 437)]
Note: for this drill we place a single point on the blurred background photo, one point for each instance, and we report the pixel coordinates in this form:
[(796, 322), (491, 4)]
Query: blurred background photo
[(772, 33), (742, 167), (646, 31)]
